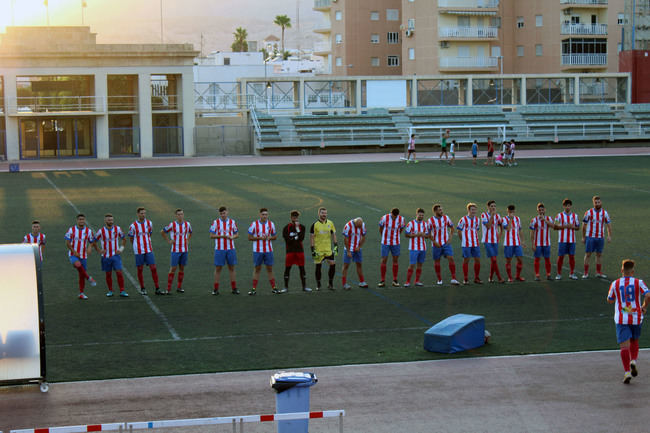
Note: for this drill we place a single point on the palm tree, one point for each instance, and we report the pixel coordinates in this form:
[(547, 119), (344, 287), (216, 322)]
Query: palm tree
[(240, 43), (284, 22)]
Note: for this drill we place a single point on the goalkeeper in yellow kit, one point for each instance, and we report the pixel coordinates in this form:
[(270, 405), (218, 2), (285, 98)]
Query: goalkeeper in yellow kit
[(322, 237)]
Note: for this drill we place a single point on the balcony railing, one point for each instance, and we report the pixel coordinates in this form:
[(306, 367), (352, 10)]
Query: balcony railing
[(469, 62), (323, 26), (583, 2), (167, 102), (584, 29), (584, 59), (55, 104), (468, 4), (122, 103), (322, 4), (468, 32), (322, 47)]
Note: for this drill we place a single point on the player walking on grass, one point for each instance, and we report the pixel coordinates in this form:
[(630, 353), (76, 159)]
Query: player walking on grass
[(293, 234), (77, 239), (417, 232), (474, 151), (354, 236), (36, 237), (224, 232), (540, 239), (627, 293), (443, 145), (490, 152), (140, 236), (411, 150), (391, 226), (262, 233), (567, 223), (180, 233), (439, 225), (112, 241), (468, 233), (593, 235), (512, 243), (491, 228), (322, 235)]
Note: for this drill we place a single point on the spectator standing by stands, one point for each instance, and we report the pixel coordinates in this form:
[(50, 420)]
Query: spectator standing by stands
[(443, 145), (474, 151), (411, 150), (490, 152)]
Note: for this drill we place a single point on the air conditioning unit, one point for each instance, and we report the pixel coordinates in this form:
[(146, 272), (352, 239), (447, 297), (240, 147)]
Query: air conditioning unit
[(444, 44), (409, 33), (568, 11)]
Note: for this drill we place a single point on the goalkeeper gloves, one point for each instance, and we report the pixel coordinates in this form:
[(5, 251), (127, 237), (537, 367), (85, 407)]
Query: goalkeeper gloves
[(313, 253), (336, 249)]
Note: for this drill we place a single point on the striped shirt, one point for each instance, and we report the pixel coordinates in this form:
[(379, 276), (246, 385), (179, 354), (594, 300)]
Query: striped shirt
[(140, 234), (355, 234), (542, 227), (567, 235), (439, 228), (595, 221), (628, 292), (468, 228), (512, 227), (224, 228), (38, 239), (391, 229), (490, 235), (257, 229), (79, 239), (417, 227), (110, 239), (180, 235)]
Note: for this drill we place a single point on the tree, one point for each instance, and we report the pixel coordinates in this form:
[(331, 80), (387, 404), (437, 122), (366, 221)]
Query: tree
[(240, 44), (284, 22)]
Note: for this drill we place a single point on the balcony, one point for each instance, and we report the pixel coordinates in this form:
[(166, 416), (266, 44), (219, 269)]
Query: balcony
[(322, 5), (468, 4), (122, 103), (322, 48), (584, 59), (49, 105), (323, 26), (468, 63), (468, 33), (584, 29), (583, 3)]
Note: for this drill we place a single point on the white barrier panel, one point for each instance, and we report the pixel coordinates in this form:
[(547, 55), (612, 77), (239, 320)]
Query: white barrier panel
[(186, 422)]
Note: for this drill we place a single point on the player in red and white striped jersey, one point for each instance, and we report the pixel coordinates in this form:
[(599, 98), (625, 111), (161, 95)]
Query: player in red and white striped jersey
[(593, 235), (224, 232), (77, 239), (512, 242), (36, 237), (417, 232), (567, 223), (354, 236), (439, 226), (140, 236), (391, 226), (112, 241), (180, 233), (540, 239), (491, 232), (627, 293), (262, 233), (468, 233)]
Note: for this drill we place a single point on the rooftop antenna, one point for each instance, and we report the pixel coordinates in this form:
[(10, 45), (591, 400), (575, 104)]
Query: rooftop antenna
[(298, 25), (84, 5), (13, 12), (47, 11)]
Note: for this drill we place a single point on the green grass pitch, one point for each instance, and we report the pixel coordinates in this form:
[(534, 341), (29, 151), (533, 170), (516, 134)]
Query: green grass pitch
[(108, 338)]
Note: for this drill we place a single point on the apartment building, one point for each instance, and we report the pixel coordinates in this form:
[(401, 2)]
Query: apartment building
[(637, 25)]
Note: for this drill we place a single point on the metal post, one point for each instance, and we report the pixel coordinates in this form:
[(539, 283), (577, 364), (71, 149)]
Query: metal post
[(234, 426), (633, 23), (340, 422)]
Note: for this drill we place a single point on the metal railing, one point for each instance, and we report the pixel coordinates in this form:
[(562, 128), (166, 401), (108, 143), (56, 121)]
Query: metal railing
[(584, 59), (256, 124), (469, 62), (583, 2), (322, 4), (48, 104), (468, 4), (319, 136), (167, 102), (584, 29), (582, 131), (468, 32), (168, 140), (122, 103)]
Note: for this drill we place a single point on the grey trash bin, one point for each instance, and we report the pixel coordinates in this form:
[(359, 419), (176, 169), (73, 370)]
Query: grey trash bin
[(292, 395)]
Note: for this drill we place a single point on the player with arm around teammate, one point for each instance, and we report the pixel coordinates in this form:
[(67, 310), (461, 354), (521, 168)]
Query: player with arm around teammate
[(567, 223), (439, 226), (417, 232), (468, 233), (36, 237), (540, 240), (391, 226), (354, 236), (224, 231), (77, 239), (491, 228), (180, 233), (627, 293), (513, 244), (112, 242), (140, 236), (322, 235), (593, 235)]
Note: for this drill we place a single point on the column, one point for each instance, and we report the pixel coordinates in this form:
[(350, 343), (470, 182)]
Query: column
[(101, 121), (523, 90), (576, 90), (11, 122), (301, 96), (469, 99), (357, 97), (187, 98), (414, 91), (145, 117)]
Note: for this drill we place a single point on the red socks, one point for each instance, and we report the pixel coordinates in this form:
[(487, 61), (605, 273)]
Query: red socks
[(572, 264), (233, 285), (382, 268), (216, 287), (536, 265), (395, 270), (494, 268), (409, 274), (254, 284), (509, 270), (272, 281), (625, 357), (170, 280), (634, 349), (477, 269), (560, 262), (140, 276), (154, 275), (586, 268), (599, 268), (452, 269), (109, 281), (344, 280), (361, 279), (547, 265), (520, 266), (465, 270), (436, 265), (418, 274), (180, 278)]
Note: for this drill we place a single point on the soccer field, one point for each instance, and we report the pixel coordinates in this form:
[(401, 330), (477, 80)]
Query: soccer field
[(196, 332)]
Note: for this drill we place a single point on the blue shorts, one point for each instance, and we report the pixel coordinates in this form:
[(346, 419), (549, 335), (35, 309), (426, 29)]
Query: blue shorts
[(392, 249), (221, 257), (626, 332), (543, 252), (474, 154), (357, 257), (145, 259), (74, 259), (471, 252), (513, 251), (445, 250), (417, 256), (112, 263), (260, 259), (594, 245), (565, 248), (491, 249), (179, 259)]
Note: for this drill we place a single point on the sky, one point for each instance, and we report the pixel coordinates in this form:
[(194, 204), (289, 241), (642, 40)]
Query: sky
[(138, 21)]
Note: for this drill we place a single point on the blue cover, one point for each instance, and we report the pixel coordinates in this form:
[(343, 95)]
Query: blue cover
[(455, 334)]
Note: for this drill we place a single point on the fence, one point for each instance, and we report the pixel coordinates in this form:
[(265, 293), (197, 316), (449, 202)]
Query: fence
[(168, 140), (223, 140), (124, 141), (3, 144)]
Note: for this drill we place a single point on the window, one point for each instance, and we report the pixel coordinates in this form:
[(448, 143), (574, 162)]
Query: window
[(495, 22), (621, 19), (520, 22), (226, 61), (338, 15), (374, 39), (374, 61), (374, 16), (339, 61), (393, 60), (392, 14), (412, 53), (411, 24), (392, 37), (520, 50), (539, 20), (539, 50), (575, 20), (463, 21), (338, 38), (619, 47), (463, 51)]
